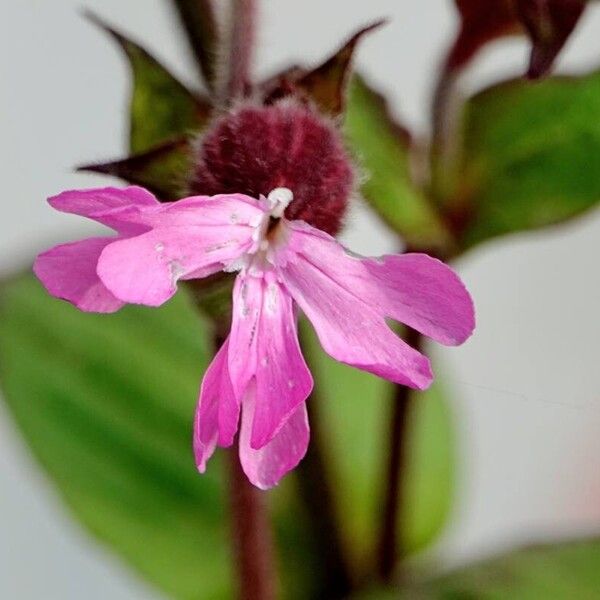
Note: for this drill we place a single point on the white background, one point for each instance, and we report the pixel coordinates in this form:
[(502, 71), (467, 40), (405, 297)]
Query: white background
[(527, 384)]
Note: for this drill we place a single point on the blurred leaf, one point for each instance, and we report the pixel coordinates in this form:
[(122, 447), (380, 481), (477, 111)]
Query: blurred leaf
[(355, 407), (531, 156), (326, 85), (549, 24), (553, 571), (383, 148), (106, 403), (162, 170), (481, 22), (212, 296), (161, 107), (198, 19), (430, 471)]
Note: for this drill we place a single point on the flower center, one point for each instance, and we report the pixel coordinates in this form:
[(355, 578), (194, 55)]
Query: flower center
[(269, 230), (269, 233)]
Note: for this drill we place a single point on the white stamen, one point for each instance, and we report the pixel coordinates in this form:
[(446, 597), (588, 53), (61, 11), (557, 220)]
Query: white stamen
[(278, 199)]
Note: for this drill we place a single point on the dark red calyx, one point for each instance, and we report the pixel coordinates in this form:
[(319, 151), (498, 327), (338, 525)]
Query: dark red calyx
[(254, 149)]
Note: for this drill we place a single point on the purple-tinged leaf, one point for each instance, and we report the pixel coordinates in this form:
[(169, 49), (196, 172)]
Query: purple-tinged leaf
[(326, 85), (162, 108), (482, 21), (548, 23), (162, 170), (199, 22)]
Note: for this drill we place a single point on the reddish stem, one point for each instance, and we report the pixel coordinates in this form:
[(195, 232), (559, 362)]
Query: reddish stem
[(333, 576), (251, 532), (241, 47), (250, 527), (394, 493)]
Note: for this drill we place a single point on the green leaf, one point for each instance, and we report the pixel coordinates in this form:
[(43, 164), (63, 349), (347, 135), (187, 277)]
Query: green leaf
[(430, 472), (382, 148), (355, 407), (106, 404), (553, 571), (531, 156), (161, 107)]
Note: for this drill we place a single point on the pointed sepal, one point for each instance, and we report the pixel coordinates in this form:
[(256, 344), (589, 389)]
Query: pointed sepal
[(199, 22), (163, 169), (162, 108), (327, 84)]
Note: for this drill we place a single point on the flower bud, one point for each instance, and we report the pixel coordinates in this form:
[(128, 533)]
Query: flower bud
[(256, 149)]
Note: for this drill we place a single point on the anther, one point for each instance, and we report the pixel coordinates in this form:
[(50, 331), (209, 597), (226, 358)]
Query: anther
[(278, 199)]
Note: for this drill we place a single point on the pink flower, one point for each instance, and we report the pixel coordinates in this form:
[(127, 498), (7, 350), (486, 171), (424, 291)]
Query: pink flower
[(282, 265)]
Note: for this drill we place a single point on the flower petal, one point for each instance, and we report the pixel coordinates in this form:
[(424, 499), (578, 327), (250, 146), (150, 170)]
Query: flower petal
[(350, 330), (133, 209), (69, 272), (264, 345), (424, 293), (118, 208), (223, 209), (412, 288), (283, 380), (245, 323), (145, 269), (265, 467), (217, 414)]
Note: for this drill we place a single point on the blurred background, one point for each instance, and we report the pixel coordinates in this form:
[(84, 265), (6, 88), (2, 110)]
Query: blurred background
[(526, 387)]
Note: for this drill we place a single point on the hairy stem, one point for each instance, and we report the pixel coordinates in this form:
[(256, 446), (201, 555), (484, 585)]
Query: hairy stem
[(241, 47), (396, 459), (334, 576), (251, 532)]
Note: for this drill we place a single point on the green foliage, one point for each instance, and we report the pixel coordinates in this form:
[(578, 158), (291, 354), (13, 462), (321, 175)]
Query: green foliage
[(355, 409), (163, 116), (555, 572), (161, 107), (383, 152), (106, 403), (430, 473), (531, 156)]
